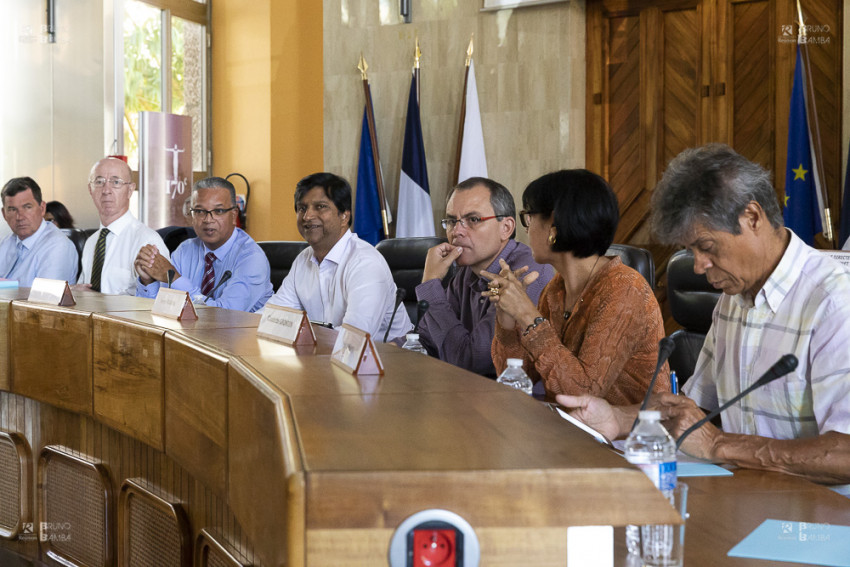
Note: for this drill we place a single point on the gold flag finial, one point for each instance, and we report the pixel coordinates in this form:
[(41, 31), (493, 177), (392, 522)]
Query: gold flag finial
[(416, 54), (801, 31), (362, 66), (469, 50)]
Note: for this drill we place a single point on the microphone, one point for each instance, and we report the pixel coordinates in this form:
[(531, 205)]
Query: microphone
[(224, 277), (170, 276), (399, 297), (666, 346), (421, 309), (779, 369)]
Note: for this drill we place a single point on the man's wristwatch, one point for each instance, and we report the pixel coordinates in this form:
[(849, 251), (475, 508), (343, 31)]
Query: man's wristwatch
[(537, 321)]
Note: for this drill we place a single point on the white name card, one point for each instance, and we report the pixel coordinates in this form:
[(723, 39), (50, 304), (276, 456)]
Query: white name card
[(841, 256), (286, 325), (51, 292), (355, 352), (174, 304)]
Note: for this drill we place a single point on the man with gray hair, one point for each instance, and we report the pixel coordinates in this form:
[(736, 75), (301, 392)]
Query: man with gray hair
[(480, 224), (780, 297), (222, 267)]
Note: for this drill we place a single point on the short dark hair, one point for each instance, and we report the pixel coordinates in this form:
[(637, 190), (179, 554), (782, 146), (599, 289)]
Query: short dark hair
[(710, 185), (217, 183), (583, 208), (19, 184), (61, 216), (500, 198), (336, 188)]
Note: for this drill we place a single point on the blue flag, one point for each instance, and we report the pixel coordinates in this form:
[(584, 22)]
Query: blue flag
[(415, 213), (801, 201), (844, 229), (367, 205)]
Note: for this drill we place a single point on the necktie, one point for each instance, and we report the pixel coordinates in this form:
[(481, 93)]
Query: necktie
[(99, 254), (208, 282), (19, 253)]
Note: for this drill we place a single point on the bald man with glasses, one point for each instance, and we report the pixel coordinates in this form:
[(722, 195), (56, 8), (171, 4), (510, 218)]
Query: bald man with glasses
[(222, 267), (109, 253)]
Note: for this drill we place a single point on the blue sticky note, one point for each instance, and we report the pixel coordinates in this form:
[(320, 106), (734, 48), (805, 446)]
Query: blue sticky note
[(688, 469), (801, 542), (8, 284)]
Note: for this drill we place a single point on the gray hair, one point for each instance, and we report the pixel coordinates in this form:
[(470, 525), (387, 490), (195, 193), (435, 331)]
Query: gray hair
[(500, 198), (216, 183), (710, 185)]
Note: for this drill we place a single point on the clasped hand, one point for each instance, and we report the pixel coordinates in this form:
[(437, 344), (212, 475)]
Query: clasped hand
[(152, 266), (507, 290)]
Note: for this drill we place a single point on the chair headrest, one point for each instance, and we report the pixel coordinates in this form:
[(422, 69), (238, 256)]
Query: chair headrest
[(692, 298)]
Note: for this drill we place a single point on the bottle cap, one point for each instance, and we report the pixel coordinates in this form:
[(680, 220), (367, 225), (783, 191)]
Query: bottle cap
[(515, 362), (412, 336), (650, 415)]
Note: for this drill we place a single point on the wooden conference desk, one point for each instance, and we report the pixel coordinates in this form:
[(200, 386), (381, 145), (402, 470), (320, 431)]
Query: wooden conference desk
[(230, 444)]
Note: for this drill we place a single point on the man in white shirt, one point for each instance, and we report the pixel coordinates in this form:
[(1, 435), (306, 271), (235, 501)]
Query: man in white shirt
[(110, 252), (339, 278), (779, 296)]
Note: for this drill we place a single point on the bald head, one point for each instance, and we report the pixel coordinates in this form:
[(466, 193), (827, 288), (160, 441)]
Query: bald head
[(110, 186)]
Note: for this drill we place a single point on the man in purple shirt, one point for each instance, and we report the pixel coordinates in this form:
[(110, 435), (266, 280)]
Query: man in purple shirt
[(480, 224)]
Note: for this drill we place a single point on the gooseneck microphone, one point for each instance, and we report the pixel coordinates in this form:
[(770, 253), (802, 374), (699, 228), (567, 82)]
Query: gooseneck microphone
[(779, 369), (170, 275), (399, 297), (666, 346), (421, 310), (224, 277)]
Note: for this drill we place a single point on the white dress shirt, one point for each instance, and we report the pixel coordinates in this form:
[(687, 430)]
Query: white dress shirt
[(352, 285), (47, 253), (126, 237), (802, 309)]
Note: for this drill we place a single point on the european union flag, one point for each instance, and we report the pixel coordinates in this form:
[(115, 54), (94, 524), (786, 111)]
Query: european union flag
[(801, 201), (367, 205)]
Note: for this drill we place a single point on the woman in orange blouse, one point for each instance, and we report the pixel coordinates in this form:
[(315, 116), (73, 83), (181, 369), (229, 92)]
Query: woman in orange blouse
[(597, 325)]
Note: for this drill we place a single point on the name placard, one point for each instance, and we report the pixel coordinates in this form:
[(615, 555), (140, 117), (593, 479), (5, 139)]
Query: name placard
[(286, 325), (51, 292), (355, 352), (174, 304)]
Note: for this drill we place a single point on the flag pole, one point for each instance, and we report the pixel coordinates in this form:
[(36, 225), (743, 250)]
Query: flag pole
[(417, 55), (362, 66), (814, 124), (463, 111)]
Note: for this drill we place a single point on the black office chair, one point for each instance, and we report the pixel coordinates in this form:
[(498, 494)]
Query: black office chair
[(173, 236), (692, 300), (78, 236), (406, 259), (281, 254), (639, 259)]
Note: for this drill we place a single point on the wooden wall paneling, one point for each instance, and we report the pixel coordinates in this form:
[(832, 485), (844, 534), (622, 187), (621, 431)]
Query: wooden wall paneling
[(53, 355), (127, 378), (596, 129), (5, 363), (196, 409), (261, 429)]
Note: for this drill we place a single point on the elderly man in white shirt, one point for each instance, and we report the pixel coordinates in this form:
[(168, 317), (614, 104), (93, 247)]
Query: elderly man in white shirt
[(110, 253), (339, 278)]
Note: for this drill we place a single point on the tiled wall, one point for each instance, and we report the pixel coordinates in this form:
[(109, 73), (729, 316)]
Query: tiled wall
[(530, 69)]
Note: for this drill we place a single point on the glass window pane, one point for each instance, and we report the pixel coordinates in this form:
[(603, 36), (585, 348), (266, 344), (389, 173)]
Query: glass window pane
[(142, 70), (187, 81)]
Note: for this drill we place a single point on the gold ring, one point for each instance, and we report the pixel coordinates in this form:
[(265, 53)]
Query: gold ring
[(494, 292)]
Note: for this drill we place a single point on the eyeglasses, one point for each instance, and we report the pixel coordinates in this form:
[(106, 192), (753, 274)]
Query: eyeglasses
[(114, 182), (470, 222), (202, 213), (525, 217)]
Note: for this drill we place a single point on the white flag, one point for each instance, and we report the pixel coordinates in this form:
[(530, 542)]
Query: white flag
[(473, 161)]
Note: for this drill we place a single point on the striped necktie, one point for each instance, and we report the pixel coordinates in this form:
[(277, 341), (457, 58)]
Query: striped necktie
[(99, 254), (208, 282), (19, 253)]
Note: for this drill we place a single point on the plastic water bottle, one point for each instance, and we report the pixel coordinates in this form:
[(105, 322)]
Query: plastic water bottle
[(515, 377), (412, 343), (653, 451)]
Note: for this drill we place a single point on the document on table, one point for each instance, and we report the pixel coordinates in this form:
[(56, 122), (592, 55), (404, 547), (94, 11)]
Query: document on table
[(801, 542)]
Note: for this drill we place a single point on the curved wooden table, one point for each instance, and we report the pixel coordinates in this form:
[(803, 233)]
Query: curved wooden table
[(288, 460)]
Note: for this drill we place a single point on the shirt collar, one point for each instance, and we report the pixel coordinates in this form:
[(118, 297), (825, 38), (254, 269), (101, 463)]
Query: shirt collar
[(337, 253), (222, 251), (119, 224), (33, 238), (783, 277)]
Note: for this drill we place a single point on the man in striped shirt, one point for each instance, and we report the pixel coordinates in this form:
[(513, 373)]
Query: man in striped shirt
[(780, 296)]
